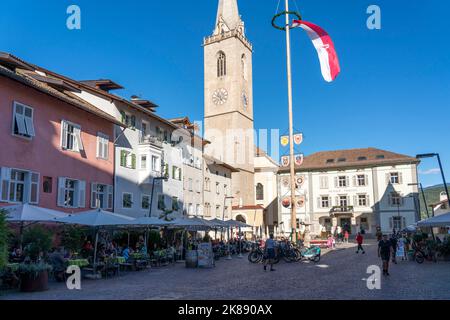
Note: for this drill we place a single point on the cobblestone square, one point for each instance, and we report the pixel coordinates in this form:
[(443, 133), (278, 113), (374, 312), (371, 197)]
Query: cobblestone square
[(340, 274)]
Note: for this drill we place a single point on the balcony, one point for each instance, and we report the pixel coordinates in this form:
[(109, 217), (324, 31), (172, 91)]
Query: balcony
[(341, 210), (154, 141)]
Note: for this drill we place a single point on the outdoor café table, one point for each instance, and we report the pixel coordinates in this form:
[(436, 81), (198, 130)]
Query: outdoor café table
[(78, 262), (14, 267)]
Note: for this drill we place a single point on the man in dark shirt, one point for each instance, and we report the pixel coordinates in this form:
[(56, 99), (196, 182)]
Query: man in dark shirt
[(394, 243), (384, 251)]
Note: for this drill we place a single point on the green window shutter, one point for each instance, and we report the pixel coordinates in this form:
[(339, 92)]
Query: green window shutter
[(133, 161), (123, 158), (133, 121), (174, 170), (123, 117)]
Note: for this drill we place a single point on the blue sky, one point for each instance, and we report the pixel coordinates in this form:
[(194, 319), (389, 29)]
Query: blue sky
[(393, 91)]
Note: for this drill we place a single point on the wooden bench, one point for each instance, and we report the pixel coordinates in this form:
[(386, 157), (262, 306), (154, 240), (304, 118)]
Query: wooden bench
[(319, 243)]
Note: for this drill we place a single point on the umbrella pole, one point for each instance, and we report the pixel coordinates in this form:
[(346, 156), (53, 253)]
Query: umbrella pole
[(240, 244), (128, 238), (95, 250), (229, 252)]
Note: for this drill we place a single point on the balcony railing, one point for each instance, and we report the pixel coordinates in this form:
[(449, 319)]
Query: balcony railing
[(150, 140), (342, 209)]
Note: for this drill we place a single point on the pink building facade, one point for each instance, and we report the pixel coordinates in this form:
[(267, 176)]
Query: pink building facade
[(55, 152)]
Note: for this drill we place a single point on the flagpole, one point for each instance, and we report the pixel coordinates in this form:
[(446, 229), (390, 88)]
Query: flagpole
[(291, 126)]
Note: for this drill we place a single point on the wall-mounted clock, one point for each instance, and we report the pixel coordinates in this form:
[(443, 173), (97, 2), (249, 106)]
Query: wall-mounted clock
[(220, 96)]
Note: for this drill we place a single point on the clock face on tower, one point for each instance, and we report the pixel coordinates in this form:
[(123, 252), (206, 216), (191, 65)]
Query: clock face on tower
[(220, 96)]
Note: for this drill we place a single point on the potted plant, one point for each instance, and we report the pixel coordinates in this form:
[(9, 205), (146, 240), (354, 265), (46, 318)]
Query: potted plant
[(34, 272), (34, 276)]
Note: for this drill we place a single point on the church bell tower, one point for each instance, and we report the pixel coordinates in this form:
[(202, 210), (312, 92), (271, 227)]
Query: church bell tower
[(228, 121)]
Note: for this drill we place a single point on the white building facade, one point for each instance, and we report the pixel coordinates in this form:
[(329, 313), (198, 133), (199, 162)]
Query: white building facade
[(358, 189)]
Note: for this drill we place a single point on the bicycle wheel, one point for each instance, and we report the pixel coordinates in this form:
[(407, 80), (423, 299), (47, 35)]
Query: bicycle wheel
[(254, 257), (419, 257)]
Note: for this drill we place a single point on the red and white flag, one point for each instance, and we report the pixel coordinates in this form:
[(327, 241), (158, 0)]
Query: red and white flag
[(329, 62)]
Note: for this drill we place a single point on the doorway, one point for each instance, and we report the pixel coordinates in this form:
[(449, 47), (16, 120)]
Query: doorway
[(346, 224)]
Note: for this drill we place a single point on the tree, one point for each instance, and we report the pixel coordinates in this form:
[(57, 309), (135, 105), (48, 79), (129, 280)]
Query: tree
[(4, 231)]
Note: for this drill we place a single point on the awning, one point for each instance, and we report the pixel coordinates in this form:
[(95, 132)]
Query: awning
[(442, 220), (28, 213)]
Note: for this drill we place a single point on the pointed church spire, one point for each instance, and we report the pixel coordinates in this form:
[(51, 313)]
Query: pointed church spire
[(227, 17)]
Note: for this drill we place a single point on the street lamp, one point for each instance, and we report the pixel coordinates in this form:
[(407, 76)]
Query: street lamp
[(431, 155), (223, 219), (423, 196)]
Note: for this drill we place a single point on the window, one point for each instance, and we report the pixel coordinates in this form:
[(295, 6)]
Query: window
[(175, 173), (197, 210), (380, 156), (159, 134), (19, 186), (198, 188), (343, 201), (127, 159), (155, 164), (145, 135), (244, 67), (362, 200), (127, 200), (145, 202), (47, 185), (397, 223), (102, 146), (207, 209), (259, 192), (128, 119), (323, 181), (190, 209), (225, 190), (161, 203), (207, 184), (71, 193), (190, 182), (23, 121), (362, 158), (218, 213), (395, 199), (217, 188), (221, 64), (342, 181), (361, 180), (71, 136), (394, 178), (324, 202), (143, 162), (175, 206), (101, 196), (330, 161), (342, 160)]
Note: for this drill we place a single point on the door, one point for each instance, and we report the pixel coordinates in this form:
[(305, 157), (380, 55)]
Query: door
[(346, 224)]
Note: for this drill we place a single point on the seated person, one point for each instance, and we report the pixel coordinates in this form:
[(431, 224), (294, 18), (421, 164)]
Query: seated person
[(126, 253)]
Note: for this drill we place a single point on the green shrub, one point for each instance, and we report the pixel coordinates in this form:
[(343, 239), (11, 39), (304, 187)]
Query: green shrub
[(4, 231), (73, 237), (34, 269), (36, 239)]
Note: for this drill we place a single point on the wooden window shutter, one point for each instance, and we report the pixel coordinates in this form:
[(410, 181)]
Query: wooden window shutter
[(388, 178), (347, 181), (123, 158), (93, 195), (354, 178), (319, 202), (400, 178), (81, 194), (133, 161), (5, 176), (368, 200), (64, 126), (123, 116), (335, 182), (355, 201), (110, 197), (61, 192), (391, 223), (133, 121)]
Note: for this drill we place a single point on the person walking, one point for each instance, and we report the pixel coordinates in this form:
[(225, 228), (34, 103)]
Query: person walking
[(384, 252), (270, 252), (359, 241), (346, 236), (394, 242)]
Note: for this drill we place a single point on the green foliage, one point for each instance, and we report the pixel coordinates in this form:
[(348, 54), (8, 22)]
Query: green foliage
[(72, 237), (206, 238), (432, 195), (4, 231), (154, 237), (34, 269), (35, 240)]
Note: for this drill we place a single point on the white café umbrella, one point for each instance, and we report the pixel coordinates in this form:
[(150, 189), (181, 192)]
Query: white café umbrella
[(442, 220), (28, 213), (193, 223), (96, 218), (23, 213)]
